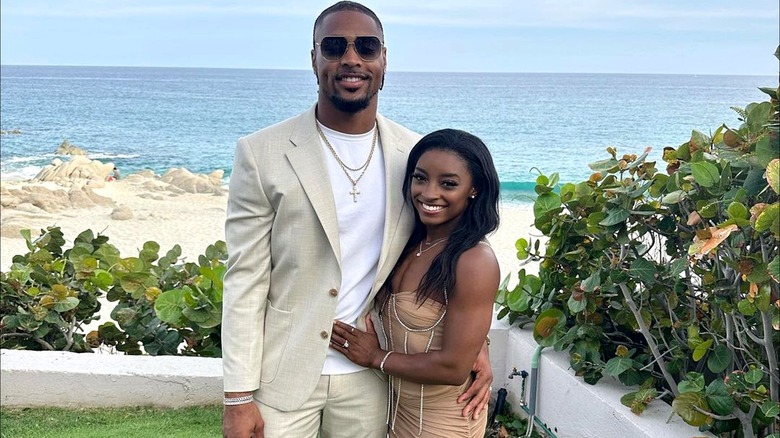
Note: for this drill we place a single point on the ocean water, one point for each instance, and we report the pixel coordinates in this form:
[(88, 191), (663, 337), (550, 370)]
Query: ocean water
[(159, 118)]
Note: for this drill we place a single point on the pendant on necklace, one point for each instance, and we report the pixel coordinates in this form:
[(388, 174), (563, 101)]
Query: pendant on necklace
[(355, 192)]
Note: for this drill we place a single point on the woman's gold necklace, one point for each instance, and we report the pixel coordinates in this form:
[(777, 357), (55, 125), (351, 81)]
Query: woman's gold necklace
[(429, 245), (354, 192)]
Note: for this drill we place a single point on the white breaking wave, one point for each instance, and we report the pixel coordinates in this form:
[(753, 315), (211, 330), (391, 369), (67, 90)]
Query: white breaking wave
[(13, 160), (21, 173), (99, 156)]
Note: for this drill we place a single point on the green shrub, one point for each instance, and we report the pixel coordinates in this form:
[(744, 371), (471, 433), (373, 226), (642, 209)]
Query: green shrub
[(164, 305), (667, 280), (168, 306), (48, 295)]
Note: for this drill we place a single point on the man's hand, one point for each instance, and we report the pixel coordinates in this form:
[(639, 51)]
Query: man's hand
[(478, 394), (242, 421)]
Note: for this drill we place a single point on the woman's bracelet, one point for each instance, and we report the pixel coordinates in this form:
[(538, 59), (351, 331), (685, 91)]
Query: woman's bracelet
[(234, 401), (384, 359)]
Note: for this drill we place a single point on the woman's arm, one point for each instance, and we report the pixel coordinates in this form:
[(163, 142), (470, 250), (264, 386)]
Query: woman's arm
[(469, 314)]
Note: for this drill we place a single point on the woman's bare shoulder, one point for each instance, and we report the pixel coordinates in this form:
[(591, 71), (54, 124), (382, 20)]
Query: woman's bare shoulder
[(478, 264)]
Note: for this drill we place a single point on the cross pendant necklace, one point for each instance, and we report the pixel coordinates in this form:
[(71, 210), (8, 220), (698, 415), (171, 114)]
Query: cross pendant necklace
[(362, 169), (354, 192)]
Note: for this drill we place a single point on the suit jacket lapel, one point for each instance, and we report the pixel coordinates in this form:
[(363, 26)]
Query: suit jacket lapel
[(395, 166), (308, 162)]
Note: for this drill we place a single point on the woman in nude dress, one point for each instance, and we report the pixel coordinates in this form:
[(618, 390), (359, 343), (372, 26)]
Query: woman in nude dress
[(434, 312)]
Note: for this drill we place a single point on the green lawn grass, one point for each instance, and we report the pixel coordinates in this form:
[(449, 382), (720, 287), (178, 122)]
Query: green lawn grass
[(142, 422)]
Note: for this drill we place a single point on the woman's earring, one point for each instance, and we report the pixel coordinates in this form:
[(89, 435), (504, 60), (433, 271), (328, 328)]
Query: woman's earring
[(473, 196)]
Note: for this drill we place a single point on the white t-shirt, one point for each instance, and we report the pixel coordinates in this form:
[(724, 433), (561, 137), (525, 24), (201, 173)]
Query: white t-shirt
[(361, 227)]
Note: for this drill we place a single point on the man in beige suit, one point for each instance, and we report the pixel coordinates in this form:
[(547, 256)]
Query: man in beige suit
[(315, 222)]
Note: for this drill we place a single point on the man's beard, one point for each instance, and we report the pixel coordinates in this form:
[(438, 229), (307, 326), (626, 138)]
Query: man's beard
[(351, 106)]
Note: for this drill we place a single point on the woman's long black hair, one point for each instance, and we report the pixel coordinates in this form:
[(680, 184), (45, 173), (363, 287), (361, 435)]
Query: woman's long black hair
[(478, 219)]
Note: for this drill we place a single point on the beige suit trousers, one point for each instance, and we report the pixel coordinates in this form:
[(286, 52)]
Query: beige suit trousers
[(342, 406)]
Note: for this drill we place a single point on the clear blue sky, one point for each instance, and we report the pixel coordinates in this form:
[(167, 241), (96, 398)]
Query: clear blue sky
[(575, 36)]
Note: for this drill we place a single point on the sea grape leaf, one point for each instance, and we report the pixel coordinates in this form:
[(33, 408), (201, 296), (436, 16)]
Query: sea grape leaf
[(577, 306), (151, 246), (705, 173), (767, 218), (737, 210), (719, 359), (168, 306), (618, 365), (683, 405), (591, 283), (546, 203), (773, 174), (677, 267), (766, 152), (755, 181), (102, 279), (763, 298), (754, 376), (547, 326), (698, 142), (518, 300), (746, 307), (638, 400), (701, 247), (673, 197), (693, 382), (758, 115), (701, 349), (719, 398), (604, 165), (773, 268), (615, 216), (66, 304), (644, 270), (770, 409)]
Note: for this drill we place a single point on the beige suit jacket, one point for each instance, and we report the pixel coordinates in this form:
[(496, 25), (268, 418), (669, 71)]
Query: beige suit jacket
[(284, 266)]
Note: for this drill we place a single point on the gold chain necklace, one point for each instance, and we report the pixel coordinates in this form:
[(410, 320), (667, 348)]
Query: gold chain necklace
[(429, 245), (362, 169)]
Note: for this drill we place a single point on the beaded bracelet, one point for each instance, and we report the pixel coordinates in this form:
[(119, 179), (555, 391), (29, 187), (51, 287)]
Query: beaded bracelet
[(234, 401), (382, 364)]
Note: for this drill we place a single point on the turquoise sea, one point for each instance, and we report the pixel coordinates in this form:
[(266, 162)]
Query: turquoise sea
[(158, 118)]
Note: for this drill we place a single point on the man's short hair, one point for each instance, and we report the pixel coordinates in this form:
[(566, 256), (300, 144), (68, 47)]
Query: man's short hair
[(347, 6)]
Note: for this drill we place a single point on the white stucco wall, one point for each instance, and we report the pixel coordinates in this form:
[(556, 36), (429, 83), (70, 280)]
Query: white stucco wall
[(565, 403)]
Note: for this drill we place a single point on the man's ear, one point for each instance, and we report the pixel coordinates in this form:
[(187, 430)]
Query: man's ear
[(314, 65)]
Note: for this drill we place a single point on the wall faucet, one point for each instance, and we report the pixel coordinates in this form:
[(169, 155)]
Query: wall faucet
[(522, 374)]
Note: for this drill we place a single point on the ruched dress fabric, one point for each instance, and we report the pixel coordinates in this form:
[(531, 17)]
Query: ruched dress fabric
[(441, 414)]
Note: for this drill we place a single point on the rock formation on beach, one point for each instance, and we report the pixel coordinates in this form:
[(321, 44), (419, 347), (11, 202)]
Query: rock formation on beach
[(19, 203), (64, 189), (195, 183), (79, 167), (67, 148), (37, 198), (177, 181)]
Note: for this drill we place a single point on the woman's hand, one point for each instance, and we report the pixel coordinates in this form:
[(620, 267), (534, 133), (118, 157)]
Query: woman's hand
[(478, 394), (358, 346)]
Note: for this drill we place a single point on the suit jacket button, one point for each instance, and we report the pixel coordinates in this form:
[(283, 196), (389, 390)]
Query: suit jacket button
[(324, 334), (333, 292)]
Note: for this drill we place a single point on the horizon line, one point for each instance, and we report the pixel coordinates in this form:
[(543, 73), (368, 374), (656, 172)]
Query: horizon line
[(395, 71)]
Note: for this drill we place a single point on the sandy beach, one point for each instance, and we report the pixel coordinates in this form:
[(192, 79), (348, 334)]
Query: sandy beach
[(139, 208)]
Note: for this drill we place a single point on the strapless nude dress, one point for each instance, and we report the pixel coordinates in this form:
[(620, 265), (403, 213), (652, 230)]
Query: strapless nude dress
[(423, 410)]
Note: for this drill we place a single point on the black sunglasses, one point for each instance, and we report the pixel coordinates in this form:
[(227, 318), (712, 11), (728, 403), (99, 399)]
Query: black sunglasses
[(333, 48)]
